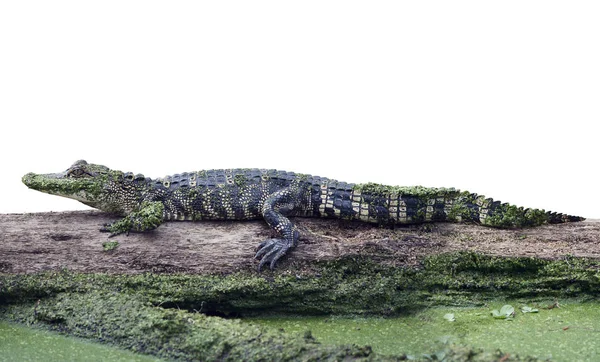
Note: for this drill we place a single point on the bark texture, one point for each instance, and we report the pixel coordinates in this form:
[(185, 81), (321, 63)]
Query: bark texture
[(54, 241)]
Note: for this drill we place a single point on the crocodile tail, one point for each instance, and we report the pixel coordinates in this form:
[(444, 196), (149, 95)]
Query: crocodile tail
[(502, 215), (557, 218), (414, 205)]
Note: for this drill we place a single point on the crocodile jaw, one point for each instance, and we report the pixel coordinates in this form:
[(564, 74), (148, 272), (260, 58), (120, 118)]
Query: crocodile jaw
[(84, 190)]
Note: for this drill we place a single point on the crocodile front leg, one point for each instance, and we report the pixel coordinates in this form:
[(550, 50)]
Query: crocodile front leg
[(273, 210), (148, 217)]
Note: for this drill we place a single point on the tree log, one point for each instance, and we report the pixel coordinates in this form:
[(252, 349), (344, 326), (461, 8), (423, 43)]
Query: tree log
[(339, 268), (72, 240)]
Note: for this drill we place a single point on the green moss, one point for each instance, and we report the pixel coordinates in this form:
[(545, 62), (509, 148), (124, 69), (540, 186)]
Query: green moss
[(110, 245), (418, 191), (240, 180), (148, 217), (302, 177), (131, 323), (89, 188), (143, 312), (459, 212), (346, 286), (510, 216)]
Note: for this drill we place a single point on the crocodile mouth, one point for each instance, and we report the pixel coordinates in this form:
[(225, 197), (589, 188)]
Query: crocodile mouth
[(58, 184)]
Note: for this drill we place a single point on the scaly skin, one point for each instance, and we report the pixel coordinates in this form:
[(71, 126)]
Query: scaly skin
[(246, 194)]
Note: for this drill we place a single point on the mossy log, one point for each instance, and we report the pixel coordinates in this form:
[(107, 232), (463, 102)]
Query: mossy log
[(339, 268), (159, 292)]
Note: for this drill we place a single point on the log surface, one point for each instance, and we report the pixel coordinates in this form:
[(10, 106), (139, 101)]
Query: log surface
[(52, 241)]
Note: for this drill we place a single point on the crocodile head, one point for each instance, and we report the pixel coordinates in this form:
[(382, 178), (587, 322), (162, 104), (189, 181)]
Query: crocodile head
[(93, 185)]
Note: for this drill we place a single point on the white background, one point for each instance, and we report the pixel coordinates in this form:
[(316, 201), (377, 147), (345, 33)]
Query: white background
[(498, 98)]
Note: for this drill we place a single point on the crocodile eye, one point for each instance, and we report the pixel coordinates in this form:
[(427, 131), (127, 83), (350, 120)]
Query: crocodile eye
[(129, 177), (77, 172)]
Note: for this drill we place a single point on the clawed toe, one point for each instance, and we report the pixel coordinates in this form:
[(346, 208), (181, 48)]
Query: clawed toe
[(108, 228), (269, 251), (261, 245)]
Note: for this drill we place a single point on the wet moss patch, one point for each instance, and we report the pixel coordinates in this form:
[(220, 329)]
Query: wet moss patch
[(510, 216), (172, 315), (133, 324), (346, 286)]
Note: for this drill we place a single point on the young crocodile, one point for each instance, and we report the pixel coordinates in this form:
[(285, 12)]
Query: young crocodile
[(245, 194)]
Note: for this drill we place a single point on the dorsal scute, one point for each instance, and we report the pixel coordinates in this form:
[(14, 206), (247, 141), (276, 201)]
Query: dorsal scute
[(130, 176), (420, 192)]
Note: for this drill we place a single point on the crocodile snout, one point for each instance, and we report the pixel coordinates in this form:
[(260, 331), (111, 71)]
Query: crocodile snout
[(28, 179)]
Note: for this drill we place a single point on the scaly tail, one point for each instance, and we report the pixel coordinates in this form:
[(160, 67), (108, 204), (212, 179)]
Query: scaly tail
[(416, 204), (492, 213)]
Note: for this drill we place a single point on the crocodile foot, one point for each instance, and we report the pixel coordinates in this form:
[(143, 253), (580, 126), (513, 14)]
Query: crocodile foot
[(271, 250)]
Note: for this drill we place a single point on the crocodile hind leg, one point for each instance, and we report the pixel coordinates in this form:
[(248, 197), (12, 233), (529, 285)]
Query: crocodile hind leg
[(273, 210)]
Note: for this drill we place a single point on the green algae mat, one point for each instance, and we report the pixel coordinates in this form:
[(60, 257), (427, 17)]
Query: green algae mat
[(19, 343), (569, 332), (449, 297)]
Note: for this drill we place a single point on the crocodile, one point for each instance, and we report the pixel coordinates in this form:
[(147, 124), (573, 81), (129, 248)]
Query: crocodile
[(274, 196)]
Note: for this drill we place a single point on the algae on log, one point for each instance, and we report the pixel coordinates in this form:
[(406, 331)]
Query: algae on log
[(349, 286), (339, 267), (152, 292), (132, 324)]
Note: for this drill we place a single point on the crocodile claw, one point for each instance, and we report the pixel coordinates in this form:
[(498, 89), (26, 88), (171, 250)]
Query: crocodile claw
[(107, 228), (271, 250)]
